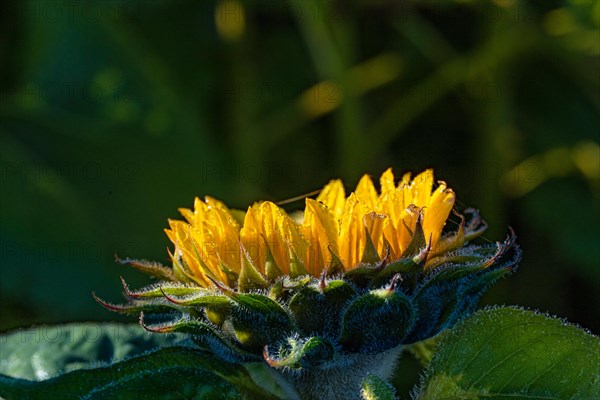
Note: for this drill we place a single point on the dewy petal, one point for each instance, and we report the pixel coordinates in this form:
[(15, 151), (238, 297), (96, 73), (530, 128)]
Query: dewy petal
[(209, 238), (366, 193), (421, 188), (216, 234), (405, 181), (404, 187), (334, 197), (387, 181), (184, 247), (321, 230), (267, 223), (188, 214), (352, 232), (251, 236), (437, 212), (226, 234), (374, 224), (390, 205)]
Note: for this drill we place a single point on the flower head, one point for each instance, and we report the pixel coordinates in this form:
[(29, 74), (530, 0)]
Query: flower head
[(349, 280)]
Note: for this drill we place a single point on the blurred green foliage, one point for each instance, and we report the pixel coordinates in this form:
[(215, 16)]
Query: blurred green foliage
[(115, 113)]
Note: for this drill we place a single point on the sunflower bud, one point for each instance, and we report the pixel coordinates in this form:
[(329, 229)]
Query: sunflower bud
[(377, 320), (317, 308)]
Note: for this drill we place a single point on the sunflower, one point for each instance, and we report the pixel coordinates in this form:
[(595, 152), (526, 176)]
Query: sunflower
[(327, 296)]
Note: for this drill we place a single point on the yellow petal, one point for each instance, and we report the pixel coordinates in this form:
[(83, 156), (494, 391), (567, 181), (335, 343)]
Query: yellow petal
[(320, 229), (226, 233), (352, 230), (437, 212), (251, 237), (187, 214), (374, 223), (392, 236), (210, 238), (271, 225), (405, 181), (421, 188), (334, 197), (366, 193), (408, 225), (267, 221), (392, 205), (387, 181)]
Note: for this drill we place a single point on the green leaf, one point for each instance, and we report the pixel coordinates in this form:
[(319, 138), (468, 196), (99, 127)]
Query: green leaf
[(166, 371), (116, 361), (510, 353), (47, 351), (424, 350), (375, 388), (174, 372)]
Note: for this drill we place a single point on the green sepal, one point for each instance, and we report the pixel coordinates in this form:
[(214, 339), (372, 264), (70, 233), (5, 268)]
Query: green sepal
[(271, 269), (463, 302), (317, 310), (418, 241), (402, 266), (137, 306), (492, 261), (475, 225), (217, 307), (156, 291), (375, 388), (232, 276), (469, 255), (204, 334), (218, 314), (336, 266), (449, 292), (250, 278), (301, 353), (363, 274), (279, 291), (283, 289), (462, 256), (377, 321), (449, 274), (180, 272), (296, 266), (258, 320), (154, 269), (204, 300), (370, 255)]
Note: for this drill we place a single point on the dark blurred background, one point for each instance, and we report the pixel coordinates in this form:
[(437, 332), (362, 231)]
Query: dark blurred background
[(115, 113)]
